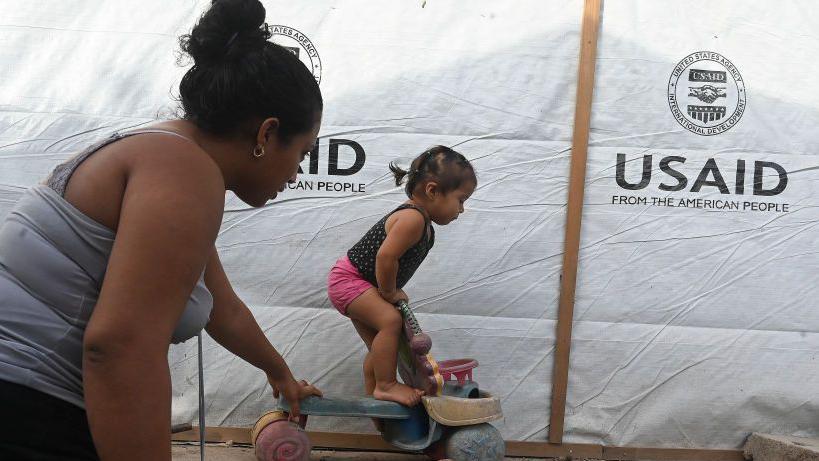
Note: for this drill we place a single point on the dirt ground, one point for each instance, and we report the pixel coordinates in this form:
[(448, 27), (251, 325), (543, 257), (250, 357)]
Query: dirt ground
[(220, 452)]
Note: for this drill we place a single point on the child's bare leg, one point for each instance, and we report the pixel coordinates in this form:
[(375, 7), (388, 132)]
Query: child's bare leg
[(384, 357), (371, 310), (369, 386), (369, 374), (367, 335)]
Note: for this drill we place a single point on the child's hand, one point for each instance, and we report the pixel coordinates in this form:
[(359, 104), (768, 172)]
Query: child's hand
[(395, 296)]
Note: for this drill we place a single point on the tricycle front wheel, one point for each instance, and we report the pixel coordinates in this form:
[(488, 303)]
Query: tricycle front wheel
[(481, 442)]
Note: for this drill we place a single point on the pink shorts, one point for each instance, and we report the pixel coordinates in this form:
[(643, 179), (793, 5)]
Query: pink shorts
[(344, 284)]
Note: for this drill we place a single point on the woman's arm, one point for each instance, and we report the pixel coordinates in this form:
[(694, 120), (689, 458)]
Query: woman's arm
[(170, 215), (233, 326)]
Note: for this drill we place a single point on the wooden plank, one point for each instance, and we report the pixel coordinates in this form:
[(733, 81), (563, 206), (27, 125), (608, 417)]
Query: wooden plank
[(373, 442), (215, 434), (574, 211), (346, 440), (350, 441), (671, 454), (551, 450)]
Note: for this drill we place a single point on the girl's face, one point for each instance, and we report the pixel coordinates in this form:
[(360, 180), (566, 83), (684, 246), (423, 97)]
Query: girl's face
[(268, 175), (445, 208)]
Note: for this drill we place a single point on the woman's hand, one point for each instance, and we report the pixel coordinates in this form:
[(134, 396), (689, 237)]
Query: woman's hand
[(293, 391)]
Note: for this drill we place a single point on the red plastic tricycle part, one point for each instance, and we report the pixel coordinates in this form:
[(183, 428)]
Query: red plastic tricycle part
[(460, 368)]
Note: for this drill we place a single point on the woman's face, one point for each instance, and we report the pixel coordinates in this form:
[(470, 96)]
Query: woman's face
[(269, 174)]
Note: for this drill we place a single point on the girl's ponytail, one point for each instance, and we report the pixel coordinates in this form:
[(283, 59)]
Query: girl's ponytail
[(398, 173)]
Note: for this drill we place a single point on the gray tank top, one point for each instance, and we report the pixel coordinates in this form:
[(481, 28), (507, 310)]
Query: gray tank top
[(52, 263)]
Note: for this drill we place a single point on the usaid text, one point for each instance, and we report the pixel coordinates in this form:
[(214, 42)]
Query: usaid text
[(758, 178), (343, 158)]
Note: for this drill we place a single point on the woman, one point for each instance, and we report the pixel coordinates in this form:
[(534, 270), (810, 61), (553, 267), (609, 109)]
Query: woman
[(112, 259)]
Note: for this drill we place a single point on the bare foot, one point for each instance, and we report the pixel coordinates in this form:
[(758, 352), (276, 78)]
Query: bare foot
[(398, 392)]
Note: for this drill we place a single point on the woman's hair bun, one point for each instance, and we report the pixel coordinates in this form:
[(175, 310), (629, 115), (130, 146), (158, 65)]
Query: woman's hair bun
[(239, 77), (227, 26)]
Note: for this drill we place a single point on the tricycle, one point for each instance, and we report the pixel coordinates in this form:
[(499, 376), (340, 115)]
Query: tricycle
[(452, 422)]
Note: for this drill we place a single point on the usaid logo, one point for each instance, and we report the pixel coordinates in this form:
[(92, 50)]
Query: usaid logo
[(300, 45), (706, 93)]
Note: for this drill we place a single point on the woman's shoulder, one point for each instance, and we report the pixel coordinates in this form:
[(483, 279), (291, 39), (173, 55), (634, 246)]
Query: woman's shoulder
[(172, 156)]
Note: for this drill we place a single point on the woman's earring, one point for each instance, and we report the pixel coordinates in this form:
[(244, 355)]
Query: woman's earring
[(258, 151)]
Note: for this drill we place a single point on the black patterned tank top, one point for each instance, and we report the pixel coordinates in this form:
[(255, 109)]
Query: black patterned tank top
[(363, 253)]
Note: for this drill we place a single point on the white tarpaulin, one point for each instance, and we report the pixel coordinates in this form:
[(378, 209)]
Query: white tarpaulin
[(704, 295), (696, 317)]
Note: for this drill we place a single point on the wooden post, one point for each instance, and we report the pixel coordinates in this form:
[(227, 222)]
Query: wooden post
[(574, 210)]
